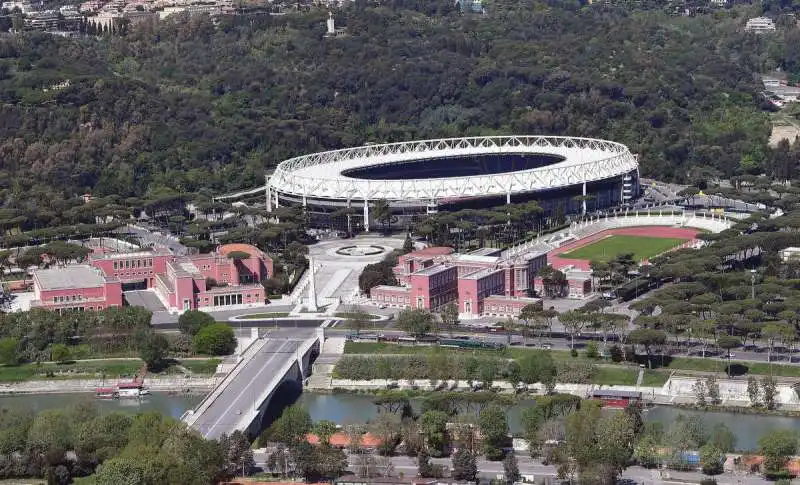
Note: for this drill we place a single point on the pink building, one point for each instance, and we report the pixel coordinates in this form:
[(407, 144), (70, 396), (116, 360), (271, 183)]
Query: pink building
[(434, 287), (229, 276), (579, 282), (432, 277), (391, 296), (76, 288), (473, 289), (507, 306), (416, 260)]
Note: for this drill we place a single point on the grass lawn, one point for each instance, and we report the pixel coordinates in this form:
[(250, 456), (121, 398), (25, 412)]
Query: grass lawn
[(207, 366), (77, 370), (606, 249), (368, 316), (262, 316)]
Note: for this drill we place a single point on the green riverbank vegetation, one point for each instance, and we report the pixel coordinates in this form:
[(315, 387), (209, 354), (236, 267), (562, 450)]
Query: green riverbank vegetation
[(82, 446)]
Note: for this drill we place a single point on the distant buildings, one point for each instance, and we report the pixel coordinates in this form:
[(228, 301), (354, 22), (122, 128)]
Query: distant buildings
[(760, 25), (228, 277)]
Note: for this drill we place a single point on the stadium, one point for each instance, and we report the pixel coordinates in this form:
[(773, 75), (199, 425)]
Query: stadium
[(563, 174)]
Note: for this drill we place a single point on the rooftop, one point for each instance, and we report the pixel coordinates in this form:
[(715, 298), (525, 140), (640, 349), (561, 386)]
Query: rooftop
[(68, 277), (432, 270), (473, 258), (486, 252), (391, 288), (253, 251), (523, 299), (481, 273), (134, 254), (431, 251)]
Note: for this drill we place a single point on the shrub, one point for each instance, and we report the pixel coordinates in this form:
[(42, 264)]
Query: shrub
[(591, 350), (616, 353), (573, 353), (192, 321), (576, 372), (215, 339)]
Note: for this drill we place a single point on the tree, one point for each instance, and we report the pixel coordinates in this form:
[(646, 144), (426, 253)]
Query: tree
[(433, 426), (574, 321), (382, 213), (59, 353), (424, 467), (449, 317), (192, 321), (538, 367), (768, 392), (647, 338), (753, 391), (511, 469), (487, 371), (237, 453), (727, 342), (601, 446), (8, 351), (153, 351), (532, 419), (722, 438), (699, 389), (712, 389), (319, 463), (777, 446), (408, 244), (494, 428), (215, 339), (465, 466), (291, 427), (711, 459), (324, 430), (416, 322)]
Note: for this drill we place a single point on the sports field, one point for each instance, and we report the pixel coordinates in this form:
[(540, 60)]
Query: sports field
[(606, 249)]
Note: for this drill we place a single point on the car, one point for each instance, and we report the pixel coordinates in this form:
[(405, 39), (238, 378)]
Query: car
[(547, 346), (382, 307)]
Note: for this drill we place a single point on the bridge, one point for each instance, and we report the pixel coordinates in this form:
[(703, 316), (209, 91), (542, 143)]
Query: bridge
[(283, 356)]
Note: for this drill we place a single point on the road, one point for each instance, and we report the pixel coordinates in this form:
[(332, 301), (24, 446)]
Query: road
[(241, 392), (488, 470)]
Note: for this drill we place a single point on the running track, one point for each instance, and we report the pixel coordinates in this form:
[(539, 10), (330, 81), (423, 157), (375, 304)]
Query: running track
[(554, 258)]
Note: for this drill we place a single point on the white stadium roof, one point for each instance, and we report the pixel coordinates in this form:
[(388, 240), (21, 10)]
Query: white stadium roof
[(319, 175)]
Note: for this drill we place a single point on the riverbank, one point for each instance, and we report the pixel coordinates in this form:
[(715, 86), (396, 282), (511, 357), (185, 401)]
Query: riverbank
[(170, 384)]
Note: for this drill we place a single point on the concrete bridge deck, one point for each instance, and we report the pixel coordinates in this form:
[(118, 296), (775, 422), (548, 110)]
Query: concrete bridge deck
[(240, 399)]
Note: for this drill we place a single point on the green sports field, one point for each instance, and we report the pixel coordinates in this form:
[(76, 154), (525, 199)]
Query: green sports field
[(608, 248)]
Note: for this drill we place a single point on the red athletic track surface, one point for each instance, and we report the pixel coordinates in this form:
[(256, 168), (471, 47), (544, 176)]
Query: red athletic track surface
[(558, 262)]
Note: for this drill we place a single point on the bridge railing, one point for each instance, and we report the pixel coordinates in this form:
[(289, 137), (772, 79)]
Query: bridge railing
[(278, 377)]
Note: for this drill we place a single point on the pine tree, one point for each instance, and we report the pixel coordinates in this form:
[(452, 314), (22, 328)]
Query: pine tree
[(465, 466), (712, 389), (769, 390), (424, 467), (699, 389), (511, 469), (753, 391)]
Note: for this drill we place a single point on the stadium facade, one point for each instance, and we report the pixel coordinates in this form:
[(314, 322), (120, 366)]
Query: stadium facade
[(565, 175)]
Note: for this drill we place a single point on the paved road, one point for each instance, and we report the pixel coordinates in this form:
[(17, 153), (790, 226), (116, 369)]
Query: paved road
[(161, 318), (241, 392)]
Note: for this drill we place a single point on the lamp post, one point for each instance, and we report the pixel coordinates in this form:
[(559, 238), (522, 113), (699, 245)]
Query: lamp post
[(753, 284)]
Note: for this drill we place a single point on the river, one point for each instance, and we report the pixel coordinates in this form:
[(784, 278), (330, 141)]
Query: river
[(359, 408), (748, 428)]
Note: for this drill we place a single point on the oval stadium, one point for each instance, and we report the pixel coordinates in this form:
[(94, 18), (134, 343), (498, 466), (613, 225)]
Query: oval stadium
[(563, 174)]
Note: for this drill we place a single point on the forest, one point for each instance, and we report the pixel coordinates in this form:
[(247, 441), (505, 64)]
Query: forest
[(194, 107)]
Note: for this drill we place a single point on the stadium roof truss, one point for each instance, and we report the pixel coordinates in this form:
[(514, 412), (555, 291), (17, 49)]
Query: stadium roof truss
[(319, 175)]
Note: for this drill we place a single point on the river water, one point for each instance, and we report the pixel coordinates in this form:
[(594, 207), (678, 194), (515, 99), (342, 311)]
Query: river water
[(359, 408)]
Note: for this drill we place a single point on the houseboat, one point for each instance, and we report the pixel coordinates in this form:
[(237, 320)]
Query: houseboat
[(123, 390), (616, 399)]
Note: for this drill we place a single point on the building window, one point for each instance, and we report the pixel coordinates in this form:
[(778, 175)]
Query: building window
[(115, 265), (127, 264), (138, 263)]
